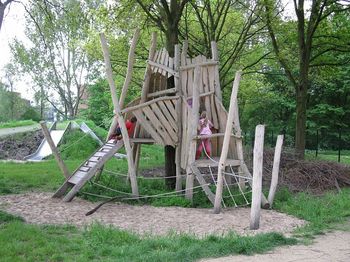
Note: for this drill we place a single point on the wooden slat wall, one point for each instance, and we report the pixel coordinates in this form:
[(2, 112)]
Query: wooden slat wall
[(159, 120)]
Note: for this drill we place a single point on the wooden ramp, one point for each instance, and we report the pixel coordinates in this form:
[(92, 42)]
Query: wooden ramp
[(87, 170)]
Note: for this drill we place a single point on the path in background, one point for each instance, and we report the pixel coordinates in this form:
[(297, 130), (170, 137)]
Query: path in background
[(334, 246), (19, 129)]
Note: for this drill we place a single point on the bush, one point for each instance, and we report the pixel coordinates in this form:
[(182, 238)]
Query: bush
[(32, 114)]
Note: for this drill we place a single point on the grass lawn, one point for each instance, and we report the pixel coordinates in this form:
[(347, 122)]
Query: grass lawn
[(24, 242), (17, 123), (330, 156)]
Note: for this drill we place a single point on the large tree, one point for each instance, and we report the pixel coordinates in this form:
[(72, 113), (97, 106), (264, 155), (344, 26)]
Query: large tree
[(3, 6), (56, 59), (313, 40)]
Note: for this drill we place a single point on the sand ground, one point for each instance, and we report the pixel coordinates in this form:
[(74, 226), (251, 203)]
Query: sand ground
[(40, 208)]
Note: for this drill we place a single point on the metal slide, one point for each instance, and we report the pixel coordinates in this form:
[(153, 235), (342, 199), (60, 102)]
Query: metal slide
[(44, 149)]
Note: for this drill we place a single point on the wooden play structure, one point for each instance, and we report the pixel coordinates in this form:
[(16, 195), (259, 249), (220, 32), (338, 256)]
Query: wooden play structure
[(174, 93)]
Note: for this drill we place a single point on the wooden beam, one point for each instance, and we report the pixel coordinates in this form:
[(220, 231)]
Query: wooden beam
[(275, 169), (140, 106), (131, 59), (225, 146), (144, 92), (206, 63), (163, 67), (54, 150), (119, 116), (203, 184), (192, 132), (257, 177), (215, 57), (214, 135), (162, 92), (178, 109)]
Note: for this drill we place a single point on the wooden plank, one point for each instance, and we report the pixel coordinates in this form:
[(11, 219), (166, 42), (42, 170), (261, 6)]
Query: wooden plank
[(171, 108), (164, 122), (225, 146), (183, 77), (99, 153), (165, 63), (156, 123), (215, 57), (203, 184), (190, 82), (212, 100), (142, 140), (275, 169), (92, 172), (77, 177), (84, 168), (178, 109), (148, 127), (162, 92), (214, 135), (140, 106), (167, 114), (206, 90), (54, 150), (257, 177), (163, 68), (184, 133), (201, 64)]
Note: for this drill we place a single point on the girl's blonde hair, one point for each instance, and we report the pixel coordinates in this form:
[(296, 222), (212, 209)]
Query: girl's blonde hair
[(204, 114)]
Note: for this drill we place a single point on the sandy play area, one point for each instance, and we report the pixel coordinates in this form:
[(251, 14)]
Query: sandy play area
[(40, 208)]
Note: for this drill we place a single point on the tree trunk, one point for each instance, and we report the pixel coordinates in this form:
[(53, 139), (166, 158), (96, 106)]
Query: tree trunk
[(2, 12), (300, 128), (169, 151)]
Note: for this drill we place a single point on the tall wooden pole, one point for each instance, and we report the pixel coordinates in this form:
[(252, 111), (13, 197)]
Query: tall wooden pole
[(178, 185), (54, 150), (131, 60), (226, 143), (215, 57), (119, 116), (257, 177), (144, 92), (192, 133), (275, 169), (126, 82)]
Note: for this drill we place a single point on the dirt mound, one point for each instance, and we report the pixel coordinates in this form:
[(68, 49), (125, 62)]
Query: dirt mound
[(314, 177), (20, 145)]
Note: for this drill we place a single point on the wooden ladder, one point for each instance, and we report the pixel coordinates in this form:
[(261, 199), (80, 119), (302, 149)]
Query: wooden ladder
[(87, 170)]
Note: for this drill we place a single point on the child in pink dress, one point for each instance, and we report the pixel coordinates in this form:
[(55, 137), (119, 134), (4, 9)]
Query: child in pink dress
[(204, 128)]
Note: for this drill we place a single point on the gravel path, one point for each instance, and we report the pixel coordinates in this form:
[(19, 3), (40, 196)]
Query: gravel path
[(40, 208), (19, 129), (330, 247)]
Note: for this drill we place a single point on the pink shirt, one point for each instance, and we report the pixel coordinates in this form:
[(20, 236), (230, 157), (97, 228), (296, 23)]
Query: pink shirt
[(205, 128)]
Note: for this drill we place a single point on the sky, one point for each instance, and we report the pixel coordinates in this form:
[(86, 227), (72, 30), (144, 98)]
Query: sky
[(13, 27)]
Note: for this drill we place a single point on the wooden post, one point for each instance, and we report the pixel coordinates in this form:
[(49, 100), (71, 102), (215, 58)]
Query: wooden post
[(215, 57), (144, 92), (192, 133), (131, 59), (226, 143), (119, 116), (54, 150), (257, 177), (275, 169), (178, 106)]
